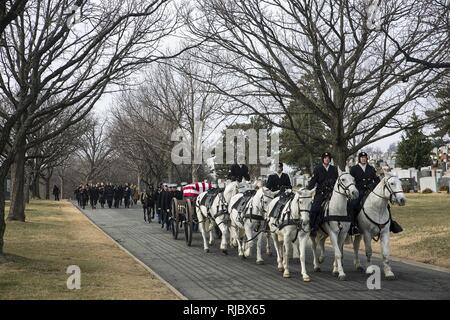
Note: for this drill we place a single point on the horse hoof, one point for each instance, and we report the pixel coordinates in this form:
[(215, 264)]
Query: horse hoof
[(389, 276), (206, 250), (342, 278), (280, 269), (306, 279), (242, 257), (286, 275), (321, 259), (316, 269), (335, 273), (260, 262), (225, 252)]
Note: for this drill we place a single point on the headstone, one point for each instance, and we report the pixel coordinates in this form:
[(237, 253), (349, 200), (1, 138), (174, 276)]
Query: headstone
[(428, 183), (403, 173), (444, 181)]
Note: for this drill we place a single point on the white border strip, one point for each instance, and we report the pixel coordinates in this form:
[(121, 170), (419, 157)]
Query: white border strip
[(172, 288)]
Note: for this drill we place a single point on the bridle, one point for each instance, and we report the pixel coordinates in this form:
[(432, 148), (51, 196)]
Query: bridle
[(346, 189), (392, 193)]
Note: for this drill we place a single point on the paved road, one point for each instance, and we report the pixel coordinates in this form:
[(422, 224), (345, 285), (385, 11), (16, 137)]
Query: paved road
[(199, 275)]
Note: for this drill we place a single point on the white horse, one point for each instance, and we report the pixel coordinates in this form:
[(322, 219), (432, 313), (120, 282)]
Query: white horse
[(374, 220), (251, 223), (336, 227), (217, 216), (291, 227)]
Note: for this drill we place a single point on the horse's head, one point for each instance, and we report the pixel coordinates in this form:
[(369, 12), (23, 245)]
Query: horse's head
[(393, 189), (304, 198), (345, 183), (262, 199)]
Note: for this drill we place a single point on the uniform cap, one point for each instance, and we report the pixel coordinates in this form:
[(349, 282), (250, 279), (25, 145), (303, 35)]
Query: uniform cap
[(326, 154), (362, 154)]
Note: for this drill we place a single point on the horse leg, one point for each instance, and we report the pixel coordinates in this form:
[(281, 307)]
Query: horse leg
[(225, 235), (259, 259), (248, 227), (279, 250), (287, 243), (211, 232), (388, 274), (368, 246), (314, 251), (322, 249), (302, 252), (337, 268), (268, 247), (356, 261), (202, 227)]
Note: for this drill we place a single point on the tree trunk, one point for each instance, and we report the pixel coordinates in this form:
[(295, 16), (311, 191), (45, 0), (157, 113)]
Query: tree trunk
[(340, 155), (2, 213), (17, 209), (47, 188), (27, 187), (35, 186)]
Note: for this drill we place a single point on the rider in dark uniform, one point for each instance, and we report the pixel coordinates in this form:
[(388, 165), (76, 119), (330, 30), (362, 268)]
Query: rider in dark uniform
[(324, 177), (237, 172), (279, 180), (366, 180)]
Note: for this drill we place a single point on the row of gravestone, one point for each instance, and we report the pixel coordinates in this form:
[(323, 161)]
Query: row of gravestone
[(425, 177)]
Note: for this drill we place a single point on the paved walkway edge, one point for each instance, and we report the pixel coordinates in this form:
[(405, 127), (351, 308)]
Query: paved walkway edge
[(172, 288), (402, 260)]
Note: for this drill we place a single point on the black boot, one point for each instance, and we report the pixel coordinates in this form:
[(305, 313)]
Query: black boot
[(395, 227)]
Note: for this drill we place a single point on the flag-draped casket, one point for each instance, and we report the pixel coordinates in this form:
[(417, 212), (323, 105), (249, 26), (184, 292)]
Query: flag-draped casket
[(194, 189)]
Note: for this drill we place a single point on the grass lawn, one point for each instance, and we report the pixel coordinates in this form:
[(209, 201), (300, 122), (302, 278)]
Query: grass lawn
[(57, 235), (426, 229)]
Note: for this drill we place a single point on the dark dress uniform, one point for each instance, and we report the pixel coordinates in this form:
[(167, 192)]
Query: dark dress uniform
[(84, 195), (365, 180), (127, 196), (275, 182), (109, 195), (237, 172), (93, 196), (325, 180), (101, 196)]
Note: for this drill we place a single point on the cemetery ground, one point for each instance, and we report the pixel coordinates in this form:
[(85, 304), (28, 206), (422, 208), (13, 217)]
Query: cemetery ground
[(57, 235), (426, 229)]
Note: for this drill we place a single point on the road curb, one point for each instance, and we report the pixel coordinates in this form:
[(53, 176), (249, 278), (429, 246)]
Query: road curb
[(402, 260), (151, 271)]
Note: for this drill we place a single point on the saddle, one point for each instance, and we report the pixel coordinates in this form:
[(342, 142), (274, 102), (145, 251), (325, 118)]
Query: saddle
[(211, 194), (241, 204), (325, 214), (278, 208)]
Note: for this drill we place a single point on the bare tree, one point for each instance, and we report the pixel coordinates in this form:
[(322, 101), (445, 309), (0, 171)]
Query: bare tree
[(324, 57), (10, 10), (48, 65), (95, 153)]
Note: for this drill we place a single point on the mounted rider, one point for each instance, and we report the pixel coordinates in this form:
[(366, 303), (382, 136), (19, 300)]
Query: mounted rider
[(237, 172), (366, 180), (324, 178), (279, 180)]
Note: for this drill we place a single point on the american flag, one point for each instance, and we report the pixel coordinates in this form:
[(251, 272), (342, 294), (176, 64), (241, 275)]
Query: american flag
[(194, 189)]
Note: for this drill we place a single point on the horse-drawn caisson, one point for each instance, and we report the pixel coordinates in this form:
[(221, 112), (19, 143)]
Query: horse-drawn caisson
[(183, 213), (246, 212)]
